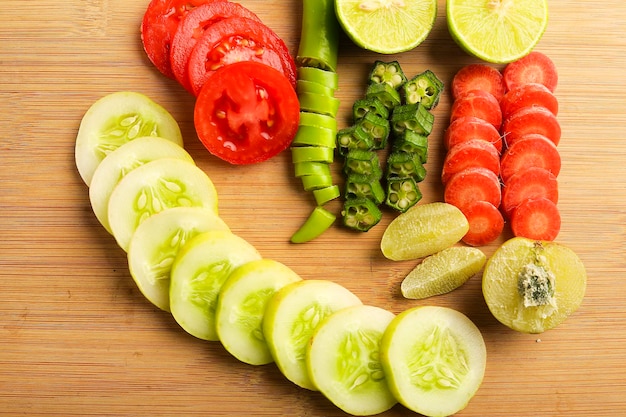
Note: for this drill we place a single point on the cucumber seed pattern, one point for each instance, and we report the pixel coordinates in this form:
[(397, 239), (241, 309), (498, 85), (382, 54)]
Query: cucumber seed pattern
[(303, 327), (204, 288), (121, 130), (250, 313), (159, 196), (358, 359), (161, 265)]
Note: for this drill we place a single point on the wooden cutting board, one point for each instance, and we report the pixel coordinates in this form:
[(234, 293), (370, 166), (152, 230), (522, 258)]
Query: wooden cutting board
[(77, 337)]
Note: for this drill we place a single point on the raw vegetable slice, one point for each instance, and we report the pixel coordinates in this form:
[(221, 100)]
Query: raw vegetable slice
[(528, 95), (443, 272), (156, 243), (241, 306), (115, 119), (317, 223), (533, 286), (468, 154), (478, 77), (537, 218), (198, 273), (473, 184), (434, 359), (343, 360), (319, 36), (486, 223), (154, 187), (532, 150), (529, 184), (423, 230), (535, 67), (471, 127), (477, 103), (123, 160), (292, 315), (532, 119)]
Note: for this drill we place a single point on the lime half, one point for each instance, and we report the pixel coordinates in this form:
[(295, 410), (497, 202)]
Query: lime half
[(386, 26), (497, 31)]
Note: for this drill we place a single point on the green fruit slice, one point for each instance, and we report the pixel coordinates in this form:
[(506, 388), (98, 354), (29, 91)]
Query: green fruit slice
[(198, 274), (533, 286), (443, 272), (434, 359), (123, 160), (423, 230), (291, 316), (115, 119), (343, 360), (514, 27), (241, 307), (154, 187), (386, 26), (156, 243)]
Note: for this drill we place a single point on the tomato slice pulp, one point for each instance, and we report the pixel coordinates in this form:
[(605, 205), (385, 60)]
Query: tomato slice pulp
[(248, 113)]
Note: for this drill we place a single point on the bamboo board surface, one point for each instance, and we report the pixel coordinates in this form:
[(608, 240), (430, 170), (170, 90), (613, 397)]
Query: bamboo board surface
[(77, 337)]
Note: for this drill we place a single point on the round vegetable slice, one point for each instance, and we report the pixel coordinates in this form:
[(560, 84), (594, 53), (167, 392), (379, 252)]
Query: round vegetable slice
[(154, 187), (532, 150), (198, 274), (241, 307), (249, 114), (473, 184), (115, 119), (531, 183), (531, 120), (477, 103), (434, 359), (292, 315), (156, 243), (535, 67), (528, 95), (471, 127), (343, 360), (123, 160), (532, 286), (478, 77), (470, 154)]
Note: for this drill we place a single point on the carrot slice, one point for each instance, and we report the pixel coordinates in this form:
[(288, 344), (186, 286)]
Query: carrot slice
[(537, 219), (477, 103), (532, 119), (470, 127), (531, 183), (535, 67), (470, 185), (485, 223), (528, 95), (472, 153), (532, 150), (478, 77)]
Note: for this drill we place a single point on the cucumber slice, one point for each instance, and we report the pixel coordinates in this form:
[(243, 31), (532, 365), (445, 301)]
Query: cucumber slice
[(343, 360), (241, 307), (123, 160), (154, 187), (434, 359), (158, 240), (198, 273), (115, 119), (291, 316)]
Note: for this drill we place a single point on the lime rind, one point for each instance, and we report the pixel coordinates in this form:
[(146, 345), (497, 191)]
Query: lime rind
[(497, 31), (387, 26)]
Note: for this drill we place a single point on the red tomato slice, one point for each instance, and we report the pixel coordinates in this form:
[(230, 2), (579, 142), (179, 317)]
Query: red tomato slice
[(532, 150), (478, 77), (486, 223), (477, 103), (158, 27), (470, 185), (470, 127), (531, 183), (528, 95), (472, 153), (528, 120), (237, 39), (193, 26), (247, 113), (533, 68), (537, 219)]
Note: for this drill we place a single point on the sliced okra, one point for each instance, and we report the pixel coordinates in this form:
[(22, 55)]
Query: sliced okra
[(319, 103), (424, 88), (314, 136), (412, 142), (365, 106), (402, 194), (389, 96), (403, 165), (352, 137), (387, 72), (377, 128), (360, 214), (363, 186), (362, 162), (413, 117)]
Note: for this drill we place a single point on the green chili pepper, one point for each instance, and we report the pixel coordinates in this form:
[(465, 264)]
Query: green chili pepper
[(402, 194), (361, 214), (319, 37), (424, 88), (385, 93), (413, 143), (326, 194), (311, 168), (303, 86), (312, 154), (352, 137), (387, 72), (364, 106), (319, 103), (316, 181), (329, 79), (413, 117), (317, 223), (315, 136), (363, 186), (377, 128), (403, 165), (317, 120), (362, 162)]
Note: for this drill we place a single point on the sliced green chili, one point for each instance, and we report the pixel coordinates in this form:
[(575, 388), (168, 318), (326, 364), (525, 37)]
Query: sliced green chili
[(402, 165), (312, 154), (413, 117), (316, 181), (424, 88), (364, 106), (360, 214), (329, 79), (352, 137), (385, 93), (326, 194), (311, 168), (387, 72), (318, 120), (303, 86), (317, 223), (362, 162), (413, 143), (315, 136), (377, 128), (319, 37), (402, 194), (319, 103)]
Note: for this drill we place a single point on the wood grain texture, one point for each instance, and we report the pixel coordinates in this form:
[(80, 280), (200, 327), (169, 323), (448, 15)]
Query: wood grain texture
[(76, 336)]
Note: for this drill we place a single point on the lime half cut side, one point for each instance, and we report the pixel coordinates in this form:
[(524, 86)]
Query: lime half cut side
[(497, 31), (386, 26)]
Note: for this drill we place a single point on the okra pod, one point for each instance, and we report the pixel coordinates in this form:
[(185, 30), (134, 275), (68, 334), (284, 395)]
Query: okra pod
[(403, 165), (387, 72), (402, 194), (413, 117), (360, 214), (424, 88), (363, 186)]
